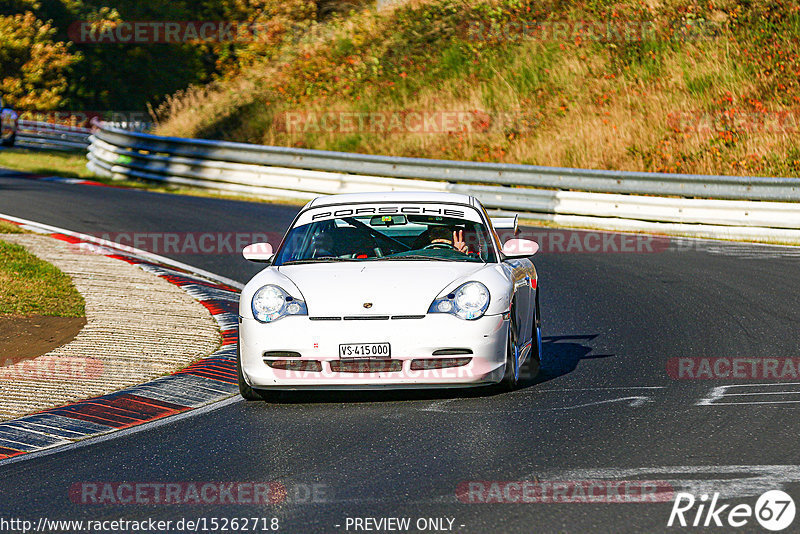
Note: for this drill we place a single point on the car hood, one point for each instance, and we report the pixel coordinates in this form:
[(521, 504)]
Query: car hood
[(390, 288)]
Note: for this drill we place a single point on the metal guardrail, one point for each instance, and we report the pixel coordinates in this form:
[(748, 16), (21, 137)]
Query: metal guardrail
[(686, 185), (728, 206), (52, 136)]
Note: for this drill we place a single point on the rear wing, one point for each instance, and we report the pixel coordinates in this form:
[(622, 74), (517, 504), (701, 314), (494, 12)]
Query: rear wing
[(505, 223)]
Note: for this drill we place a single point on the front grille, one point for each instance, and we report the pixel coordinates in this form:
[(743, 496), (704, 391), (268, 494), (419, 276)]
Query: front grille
[(366, 366), (367, 318)]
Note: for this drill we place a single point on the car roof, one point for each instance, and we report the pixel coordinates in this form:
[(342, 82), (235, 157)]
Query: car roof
[(392, 196)]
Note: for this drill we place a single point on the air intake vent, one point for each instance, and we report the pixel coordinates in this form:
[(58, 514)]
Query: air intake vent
[(324, 318), (438, 363), (367, 366), (451, 352), (366, 318), (281, 354), (313, 366)]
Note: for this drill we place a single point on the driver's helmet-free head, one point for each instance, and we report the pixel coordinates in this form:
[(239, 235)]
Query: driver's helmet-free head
[(434, 234), (440, 234)]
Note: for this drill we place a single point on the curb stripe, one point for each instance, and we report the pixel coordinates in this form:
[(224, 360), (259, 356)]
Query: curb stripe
[(6, 452), (208, 380), (122, 411), (216, 307)]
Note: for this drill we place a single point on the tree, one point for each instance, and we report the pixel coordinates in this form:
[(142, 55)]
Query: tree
[(33, 67)]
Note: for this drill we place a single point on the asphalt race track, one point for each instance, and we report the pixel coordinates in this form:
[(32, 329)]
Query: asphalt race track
[(605, 407)]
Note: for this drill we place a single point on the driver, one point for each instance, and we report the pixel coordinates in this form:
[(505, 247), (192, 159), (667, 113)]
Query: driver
[(322, 245), (446, 236)]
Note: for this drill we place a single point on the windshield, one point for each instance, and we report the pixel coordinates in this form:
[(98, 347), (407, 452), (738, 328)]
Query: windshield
[(387, 238)]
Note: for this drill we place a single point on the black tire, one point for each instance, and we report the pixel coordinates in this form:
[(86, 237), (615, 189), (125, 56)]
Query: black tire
[(534, 361), (10, 141), (245, 390), (510, 377)]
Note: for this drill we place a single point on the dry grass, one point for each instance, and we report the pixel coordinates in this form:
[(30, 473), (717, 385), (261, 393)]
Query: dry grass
[(8, 228), (576, 104)]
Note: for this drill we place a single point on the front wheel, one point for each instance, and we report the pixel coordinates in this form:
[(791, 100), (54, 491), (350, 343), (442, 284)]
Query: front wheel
[(534, 360), (511, 375)]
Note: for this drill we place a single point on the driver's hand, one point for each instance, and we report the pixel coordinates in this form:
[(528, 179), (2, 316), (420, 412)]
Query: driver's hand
[(458, 242)]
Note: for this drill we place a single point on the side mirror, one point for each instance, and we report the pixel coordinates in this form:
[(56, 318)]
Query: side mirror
[(258, 252), (520, 248)]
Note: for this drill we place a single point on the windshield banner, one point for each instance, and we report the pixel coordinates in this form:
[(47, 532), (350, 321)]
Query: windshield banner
[(344, 211)]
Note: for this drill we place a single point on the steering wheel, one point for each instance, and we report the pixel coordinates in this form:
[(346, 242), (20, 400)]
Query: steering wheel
[(322, 252), (440, 246)]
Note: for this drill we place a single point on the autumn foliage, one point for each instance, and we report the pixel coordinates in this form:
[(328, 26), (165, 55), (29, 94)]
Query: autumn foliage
[(33, 66)]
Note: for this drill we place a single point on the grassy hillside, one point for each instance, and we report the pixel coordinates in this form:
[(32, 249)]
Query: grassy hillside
[(675, 86)]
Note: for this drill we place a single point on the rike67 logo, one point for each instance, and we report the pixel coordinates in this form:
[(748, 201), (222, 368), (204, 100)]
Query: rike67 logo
[(774, 510)]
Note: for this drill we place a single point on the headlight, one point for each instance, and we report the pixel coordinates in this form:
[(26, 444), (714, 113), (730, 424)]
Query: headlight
[(270, 303), (468, 302)]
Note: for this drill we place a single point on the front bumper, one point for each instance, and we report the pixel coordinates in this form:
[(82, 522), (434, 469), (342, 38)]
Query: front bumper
[(410, 339)]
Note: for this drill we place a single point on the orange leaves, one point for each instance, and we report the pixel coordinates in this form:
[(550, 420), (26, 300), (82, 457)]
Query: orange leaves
[(32, 64)]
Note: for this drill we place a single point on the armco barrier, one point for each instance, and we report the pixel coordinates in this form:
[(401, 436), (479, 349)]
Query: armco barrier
[(52, 136), (711, 206)]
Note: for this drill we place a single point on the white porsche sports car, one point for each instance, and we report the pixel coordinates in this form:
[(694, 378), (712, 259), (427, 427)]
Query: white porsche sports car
[(389, 290)]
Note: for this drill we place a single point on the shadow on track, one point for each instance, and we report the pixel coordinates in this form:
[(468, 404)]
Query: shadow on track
[(560, 356)]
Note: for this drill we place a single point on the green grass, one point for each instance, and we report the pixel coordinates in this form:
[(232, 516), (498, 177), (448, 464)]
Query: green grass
[(8, 228), (31, 286), (67, 164), (73, 165)]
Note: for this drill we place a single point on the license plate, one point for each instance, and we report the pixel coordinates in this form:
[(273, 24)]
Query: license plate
[(365, 350)]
